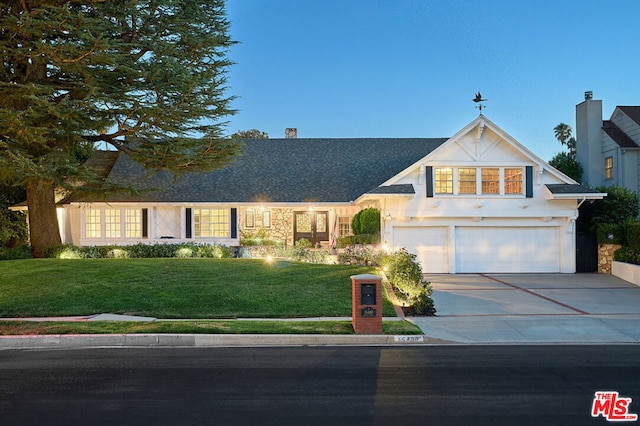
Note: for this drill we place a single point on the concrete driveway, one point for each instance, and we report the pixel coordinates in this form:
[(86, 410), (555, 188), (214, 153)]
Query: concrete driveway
[(533, 308)]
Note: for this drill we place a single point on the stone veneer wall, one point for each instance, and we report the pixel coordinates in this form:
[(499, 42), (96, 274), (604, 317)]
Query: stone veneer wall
[(281, 228), (605, 257)]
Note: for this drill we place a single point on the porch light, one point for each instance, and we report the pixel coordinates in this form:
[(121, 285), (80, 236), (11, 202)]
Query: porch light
[(387, 217)]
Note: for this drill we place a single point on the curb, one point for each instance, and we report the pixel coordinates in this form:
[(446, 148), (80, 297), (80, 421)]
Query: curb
[(71, 341)]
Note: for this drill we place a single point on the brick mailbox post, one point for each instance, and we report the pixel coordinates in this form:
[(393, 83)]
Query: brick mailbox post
[(366, 303)]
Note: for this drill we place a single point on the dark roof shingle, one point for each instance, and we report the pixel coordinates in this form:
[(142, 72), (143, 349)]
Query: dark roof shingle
[(618, 136), (561, 188), (632, 111), (283, 170)]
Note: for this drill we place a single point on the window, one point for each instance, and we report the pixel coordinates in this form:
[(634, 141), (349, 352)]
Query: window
[(211, 223), (266, 219), (344, 226), (513, 180), (608, 168), (92, 223), (112, 223), (491, 181), (467, 181), (444, 180), (133, 223), (249, 219)]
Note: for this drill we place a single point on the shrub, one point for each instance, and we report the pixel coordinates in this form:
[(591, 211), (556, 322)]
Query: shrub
[(607, 230), (627, 255), (632, 234), (366, 221), (363, 256), (405, 275), (358, 239), (20, 252), (68, 251), (619, 205)]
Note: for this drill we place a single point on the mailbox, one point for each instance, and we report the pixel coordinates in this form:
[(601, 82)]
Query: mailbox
[(368, 294), (367, 304)]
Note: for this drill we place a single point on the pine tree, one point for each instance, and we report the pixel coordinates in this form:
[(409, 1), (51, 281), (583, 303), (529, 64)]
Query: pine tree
[(147, 78)]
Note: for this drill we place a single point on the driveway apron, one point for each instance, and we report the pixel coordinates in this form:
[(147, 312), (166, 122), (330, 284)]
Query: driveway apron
[(533, 308)]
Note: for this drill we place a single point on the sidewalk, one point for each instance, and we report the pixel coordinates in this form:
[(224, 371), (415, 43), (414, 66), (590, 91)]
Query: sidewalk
[(59, 341)]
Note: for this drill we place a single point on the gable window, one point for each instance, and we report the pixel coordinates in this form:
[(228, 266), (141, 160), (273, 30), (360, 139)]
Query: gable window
[(608, 168), (490, 181), (444, 180), (211, 223), (92, 223), (467, 181), (513, 180)]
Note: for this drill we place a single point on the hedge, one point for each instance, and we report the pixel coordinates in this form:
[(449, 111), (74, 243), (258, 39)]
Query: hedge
[(192, 250)]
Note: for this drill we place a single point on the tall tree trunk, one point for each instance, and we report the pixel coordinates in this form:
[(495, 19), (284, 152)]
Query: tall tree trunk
[(43, 218)]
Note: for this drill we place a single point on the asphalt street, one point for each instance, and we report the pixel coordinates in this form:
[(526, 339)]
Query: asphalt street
[(419, 385)]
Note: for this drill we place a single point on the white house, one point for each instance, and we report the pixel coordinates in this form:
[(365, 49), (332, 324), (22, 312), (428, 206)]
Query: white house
[(476, 202), (608, 150)]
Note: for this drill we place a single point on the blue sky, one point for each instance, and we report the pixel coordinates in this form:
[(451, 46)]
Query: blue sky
[(409, 68)]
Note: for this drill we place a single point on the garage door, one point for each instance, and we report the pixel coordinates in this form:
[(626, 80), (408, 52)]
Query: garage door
[(429, 244), (487, 249)]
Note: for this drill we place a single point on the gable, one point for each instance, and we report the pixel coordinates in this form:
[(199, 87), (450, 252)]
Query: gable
[(480, 143)]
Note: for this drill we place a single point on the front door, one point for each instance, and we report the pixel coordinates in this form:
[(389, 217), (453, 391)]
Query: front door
[(312, 226)]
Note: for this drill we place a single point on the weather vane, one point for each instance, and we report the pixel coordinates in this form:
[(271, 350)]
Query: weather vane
[(478, 99)]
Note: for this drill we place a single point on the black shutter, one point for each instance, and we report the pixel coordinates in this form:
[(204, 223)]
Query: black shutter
[(145, 223), (187, 228), (429, 180), (234, 223), (529, 181)]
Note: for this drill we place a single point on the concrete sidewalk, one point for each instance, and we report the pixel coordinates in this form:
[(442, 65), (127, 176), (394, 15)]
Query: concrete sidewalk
[(533, 308)]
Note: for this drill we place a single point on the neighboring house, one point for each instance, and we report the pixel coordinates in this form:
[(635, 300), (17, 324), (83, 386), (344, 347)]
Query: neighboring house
[(608, 150), (476, 202)]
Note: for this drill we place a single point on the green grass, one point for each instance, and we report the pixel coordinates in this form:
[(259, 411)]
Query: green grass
[(12, 328), (176, 288)]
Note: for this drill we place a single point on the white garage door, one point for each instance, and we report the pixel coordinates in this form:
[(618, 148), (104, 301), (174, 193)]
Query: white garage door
[(429, 244), (486, 249)]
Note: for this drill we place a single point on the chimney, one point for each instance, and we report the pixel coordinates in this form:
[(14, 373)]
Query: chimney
[(291, 133), (589, 139)]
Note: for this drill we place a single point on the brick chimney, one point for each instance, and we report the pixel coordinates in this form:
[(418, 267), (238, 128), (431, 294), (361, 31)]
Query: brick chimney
[(291, 133)]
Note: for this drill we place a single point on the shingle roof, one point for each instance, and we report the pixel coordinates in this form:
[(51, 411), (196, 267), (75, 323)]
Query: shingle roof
[(404, 188), (561, 188), (618, 136), (283, 170), (632, 111)]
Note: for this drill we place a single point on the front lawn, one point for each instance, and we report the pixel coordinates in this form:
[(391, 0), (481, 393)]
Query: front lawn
[(177, 288)]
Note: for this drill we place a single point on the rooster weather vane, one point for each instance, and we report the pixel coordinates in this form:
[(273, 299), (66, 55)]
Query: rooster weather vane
[(478, 99)]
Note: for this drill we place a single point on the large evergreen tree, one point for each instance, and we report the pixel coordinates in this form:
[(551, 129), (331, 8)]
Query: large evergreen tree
[(146, 77)]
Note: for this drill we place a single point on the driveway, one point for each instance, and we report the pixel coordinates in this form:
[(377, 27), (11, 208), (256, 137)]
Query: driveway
[(533, 308)]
